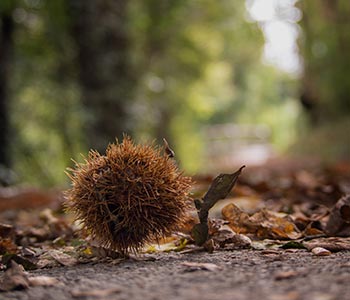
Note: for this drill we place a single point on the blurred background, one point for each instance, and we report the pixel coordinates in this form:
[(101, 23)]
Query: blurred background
[(225, 82)]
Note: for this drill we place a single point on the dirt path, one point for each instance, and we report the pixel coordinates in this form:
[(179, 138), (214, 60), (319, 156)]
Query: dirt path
[(243, 274)]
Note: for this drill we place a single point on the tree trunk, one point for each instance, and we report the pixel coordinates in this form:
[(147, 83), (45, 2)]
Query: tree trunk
[(99, 28), (326, 52), (6, 31)]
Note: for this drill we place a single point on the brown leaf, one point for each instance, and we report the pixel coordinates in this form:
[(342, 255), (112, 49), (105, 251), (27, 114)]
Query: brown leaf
[(7, 246), (63, 258), (332, 244), (241, 241), (239, 220), (47, 263), (219, 189), (103, 252), (6, 231), (223, 236), (14, 278), (98, 293), (264, 223), (194, 266), (27, 264), (339, 218)]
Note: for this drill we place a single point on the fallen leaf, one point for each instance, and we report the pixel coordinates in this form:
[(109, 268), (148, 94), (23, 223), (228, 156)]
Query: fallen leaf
[(332, 244), (47, 263), (263, 224), (102, 252), (28, 252), (175, 245), (27, 264), (6, 231), (219, 189), (221, 233), (43, 281), (194, 266), (98, 293), (7, 246), (63, 258), (339, 218), (319, 251), (14, 278), (241, 241), (267, 244)]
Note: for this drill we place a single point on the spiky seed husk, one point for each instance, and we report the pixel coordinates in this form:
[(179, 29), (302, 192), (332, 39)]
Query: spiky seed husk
[(131, 196)]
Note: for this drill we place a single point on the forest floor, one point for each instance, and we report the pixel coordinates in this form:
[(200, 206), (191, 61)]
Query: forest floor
[(292, 243), (238, 274)]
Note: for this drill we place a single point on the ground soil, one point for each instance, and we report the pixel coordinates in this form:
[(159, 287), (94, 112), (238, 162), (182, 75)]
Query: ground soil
[(240, 275)]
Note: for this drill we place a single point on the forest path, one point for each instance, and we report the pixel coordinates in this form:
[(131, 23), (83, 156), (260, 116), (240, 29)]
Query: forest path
[(238, 274)]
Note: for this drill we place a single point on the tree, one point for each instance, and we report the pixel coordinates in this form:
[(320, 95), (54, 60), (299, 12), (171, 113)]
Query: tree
[(100, 31), (325, 48), (6, 45)]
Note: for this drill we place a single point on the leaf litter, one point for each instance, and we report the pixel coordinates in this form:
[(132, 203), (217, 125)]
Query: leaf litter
[(265, 209)]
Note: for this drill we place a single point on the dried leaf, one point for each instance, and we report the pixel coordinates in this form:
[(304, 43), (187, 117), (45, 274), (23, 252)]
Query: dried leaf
[(319, 251), (43, 281), (7, 246), (223, 236), (105, 252), (28, 264), (194, 266), (98, 293), (238, 220), (219, 189), (241, 241), (263, 224), (14, 278), (6, 231), (47, 263), (339, 218), (63, 258), (332, 244), (176, 246)]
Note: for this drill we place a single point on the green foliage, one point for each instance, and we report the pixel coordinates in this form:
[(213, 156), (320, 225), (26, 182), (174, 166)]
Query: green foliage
[(46, 113), (195, 63)]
